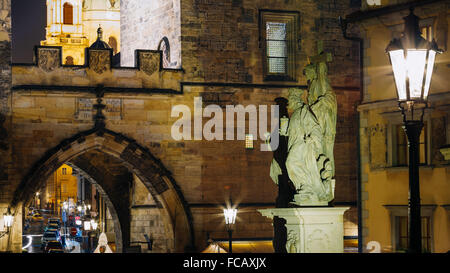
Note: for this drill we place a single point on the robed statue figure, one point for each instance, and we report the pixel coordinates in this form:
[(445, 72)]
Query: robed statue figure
[(312, 129)]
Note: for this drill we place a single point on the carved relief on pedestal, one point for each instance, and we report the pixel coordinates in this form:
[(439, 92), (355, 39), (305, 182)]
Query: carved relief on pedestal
[(317, 241), (49, 58), (99, 60), (149, 62), (292, 242)]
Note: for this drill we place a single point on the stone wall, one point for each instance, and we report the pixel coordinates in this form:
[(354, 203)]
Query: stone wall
[(146, 220), (219, 43), (144, 23), (221, 39), (5, 90), (5, 54)]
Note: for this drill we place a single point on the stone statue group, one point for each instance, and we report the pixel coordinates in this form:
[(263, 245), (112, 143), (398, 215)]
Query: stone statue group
[(311, 134)]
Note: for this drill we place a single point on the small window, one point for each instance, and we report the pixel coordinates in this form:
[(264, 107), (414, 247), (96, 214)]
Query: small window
[(401, 147), (64, 171), (427, 33), (68, 14), (278, 40), (164, 46), (112, 42), (69, 60), (276, 45), (249, 141), (401, 230)]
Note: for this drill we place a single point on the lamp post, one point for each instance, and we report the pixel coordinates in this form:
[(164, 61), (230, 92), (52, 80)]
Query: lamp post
[(412, 59), (230, 218)]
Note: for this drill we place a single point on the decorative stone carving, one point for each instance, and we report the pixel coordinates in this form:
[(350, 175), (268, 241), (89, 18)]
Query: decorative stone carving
[(99, 60), (113, 110), (84, 109), (291, 244), (317, 241), (49, 58), (149, 62)]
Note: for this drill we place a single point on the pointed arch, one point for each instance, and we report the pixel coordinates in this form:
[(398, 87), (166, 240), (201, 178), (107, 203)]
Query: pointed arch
[(138, 159), (164, 46)]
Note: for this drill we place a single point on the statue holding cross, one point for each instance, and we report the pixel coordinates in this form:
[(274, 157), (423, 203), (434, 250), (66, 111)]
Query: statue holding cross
[(312, 130)]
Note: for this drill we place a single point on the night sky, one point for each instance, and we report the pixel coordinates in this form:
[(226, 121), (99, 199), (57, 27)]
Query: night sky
[(29, 19)]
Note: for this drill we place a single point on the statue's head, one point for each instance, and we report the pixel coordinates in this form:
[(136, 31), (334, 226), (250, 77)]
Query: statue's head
[(310, 73), (295, 98)]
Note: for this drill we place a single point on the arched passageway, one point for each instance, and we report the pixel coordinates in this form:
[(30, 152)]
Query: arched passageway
[(85, 148)]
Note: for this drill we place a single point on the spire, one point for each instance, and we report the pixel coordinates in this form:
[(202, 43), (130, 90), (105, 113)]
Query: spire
[(99, 33)]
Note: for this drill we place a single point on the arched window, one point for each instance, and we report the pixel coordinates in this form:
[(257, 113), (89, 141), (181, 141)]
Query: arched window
[(112, 42), (68, 14), (69, 60), (165, 48)]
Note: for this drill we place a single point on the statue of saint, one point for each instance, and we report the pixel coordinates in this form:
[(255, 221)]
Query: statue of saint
[(312, 129)]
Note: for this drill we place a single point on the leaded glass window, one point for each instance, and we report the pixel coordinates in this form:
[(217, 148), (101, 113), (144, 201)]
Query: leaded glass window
[(276, 47), (278, 42)]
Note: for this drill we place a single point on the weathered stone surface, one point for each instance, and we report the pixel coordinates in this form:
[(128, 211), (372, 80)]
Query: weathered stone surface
[(217, 41)]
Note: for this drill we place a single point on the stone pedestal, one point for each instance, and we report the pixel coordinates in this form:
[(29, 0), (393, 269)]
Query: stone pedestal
[(312, 229)]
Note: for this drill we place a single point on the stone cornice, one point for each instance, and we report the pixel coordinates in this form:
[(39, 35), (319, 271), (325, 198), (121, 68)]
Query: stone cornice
[(393, 103)]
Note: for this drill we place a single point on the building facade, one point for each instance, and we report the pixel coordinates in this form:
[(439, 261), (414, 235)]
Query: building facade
[(383, 143), (114, 123), (73, 24)]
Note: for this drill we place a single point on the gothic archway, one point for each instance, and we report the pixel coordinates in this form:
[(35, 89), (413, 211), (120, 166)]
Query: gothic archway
[(136, 158), (112, 209)]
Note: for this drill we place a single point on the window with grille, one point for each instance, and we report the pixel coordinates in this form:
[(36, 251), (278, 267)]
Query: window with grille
[(276, 45), (278, 40), (401, 229), (249, 141)]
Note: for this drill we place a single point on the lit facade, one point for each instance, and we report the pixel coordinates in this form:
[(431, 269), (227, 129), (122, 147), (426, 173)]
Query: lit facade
[(73, 24), (383, 144), (61, 186)]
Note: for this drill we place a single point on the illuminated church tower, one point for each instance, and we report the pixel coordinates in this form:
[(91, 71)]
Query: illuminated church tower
[(73, 24)]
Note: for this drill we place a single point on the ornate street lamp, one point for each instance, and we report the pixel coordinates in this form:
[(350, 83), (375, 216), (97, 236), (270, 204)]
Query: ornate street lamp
[(230, 218), (412, 58)]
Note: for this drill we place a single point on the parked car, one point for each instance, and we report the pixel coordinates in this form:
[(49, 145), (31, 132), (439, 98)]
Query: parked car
[(52, 245), (56, 231), (49, 236), (51, 226), (37, 218)]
